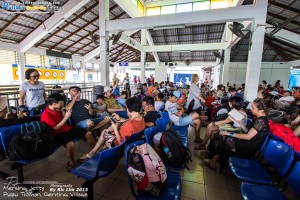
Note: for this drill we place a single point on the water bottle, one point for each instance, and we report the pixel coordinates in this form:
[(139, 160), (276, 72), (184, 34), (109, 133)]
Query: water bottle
[(167, 152)]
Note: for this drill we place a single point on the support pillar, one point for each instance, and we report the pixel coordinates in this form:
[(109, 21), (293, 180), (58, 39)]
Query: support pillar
[(104, 45), (256, 51), (143, 56), (21, 67), (226, 66), (83, 69)]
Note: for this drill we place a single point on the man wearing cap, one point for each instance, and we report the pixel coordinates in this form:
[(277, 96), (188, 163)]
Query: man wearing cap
[(176, 113), (112, 105), (82, 110)]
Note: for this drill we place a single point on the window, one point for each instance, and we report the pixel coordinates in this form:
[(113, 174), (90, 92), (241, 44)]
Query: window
[(52, 61), (135, 2), (215, 4), (90, 77), (64, 62), (153, 11), (8, 57), (187, 7), (168, 9), (75, 77), (141, 7), (203, 5), (33, 59)]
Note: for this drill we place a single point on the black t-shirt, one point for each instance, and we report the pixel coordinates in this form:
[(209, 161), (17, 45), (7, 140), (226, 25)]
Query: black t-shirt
[(79, 112), (151, 116)]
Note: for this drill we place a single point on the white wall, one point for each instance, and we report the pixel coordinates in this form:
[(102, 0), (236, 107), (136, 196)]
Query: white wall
[(161, 73), (271, 72)]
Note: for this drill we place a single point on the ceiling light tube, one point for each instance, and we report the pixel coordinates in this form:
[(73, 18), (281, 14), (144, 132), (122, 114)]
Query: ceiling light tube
[(168, 27), (54, 26)]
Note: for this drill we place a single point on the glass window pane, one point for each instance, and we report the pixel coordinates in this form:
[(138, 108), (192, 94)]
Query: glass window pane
[(153, 11), (135, 2), (215, 4), (141, 7), (168, 9), (203, 5), (187, 7)]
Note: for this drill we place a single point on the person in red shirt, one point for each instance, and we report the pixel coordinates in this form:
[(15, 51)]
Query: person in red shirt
[(64, 133), (121, 128)]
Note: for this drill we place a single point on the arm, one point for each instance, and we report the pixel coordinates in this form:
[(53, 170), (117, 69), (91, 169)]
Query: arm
[(63, 121), (148, 124), (112, 110), (247, 136), (117, 133), (22, 97), (295, 121), (71, 104)]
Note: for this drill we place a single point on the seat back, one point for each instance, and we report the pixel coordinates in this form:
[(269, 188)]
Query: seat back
[(162, 124), (294, 178), (7, 134), (181, 130), (149, 133), (263, 146), (165, 115), (127, 152), (279, 155), (109, 159), (134, 137)]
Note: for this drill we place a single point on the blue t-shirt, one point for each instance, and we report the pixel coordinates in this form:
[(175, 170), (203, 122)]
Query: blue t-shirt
[(116, 92)]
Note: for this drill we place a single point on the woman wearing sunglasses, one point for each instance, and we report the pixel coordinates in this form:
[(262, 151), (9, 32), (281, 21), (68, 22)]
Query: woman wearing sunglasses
[(242, 144), (32, 94)]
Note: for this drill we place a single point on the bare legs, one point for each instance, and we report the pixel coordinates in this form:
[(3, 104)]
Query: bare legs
[(197, 125)]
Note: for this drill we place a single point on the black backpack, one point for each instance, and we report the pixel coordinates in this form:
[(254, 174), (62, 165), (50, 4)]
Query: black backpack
[(34, 142), (174, 152)]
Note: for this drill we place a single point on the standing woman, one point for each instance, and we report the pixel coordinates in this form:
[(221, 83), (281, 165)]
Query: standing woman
[(116, 88), (32, 94), (194, 95)]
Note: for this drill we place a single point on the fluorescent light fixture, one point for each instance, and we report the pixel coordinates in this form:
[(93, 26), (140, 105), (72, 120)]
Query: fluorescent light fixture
[(50, 29), (182, 51), (168, 27)]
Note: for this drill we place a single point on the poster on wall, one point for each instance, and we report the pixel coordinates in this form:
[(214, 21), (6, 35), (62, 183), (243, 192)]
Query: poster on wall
[(294, 79), (186, 78), (45, 74)]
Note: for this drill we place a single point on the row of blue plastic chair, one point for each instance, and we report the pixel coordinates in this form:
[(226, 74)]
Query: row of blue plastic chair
[(257, 181)]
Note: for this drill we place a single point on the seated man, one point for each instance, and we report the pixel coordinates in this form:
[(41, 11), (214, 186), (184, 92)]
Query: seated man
[(176, 114), (112, 105), (159, 104), (285, 101), (63, 133), (82, 111), (151, 115), (121, 128)]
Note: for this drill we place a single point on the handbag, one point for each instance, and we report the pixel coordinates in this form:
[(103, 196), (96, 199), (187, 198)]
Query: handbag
[(34, 142)]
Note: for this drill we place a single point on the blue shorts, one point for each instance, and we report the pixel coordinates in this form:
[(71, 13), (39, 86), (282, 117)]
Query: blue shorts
[(83, 123), (183, 121)]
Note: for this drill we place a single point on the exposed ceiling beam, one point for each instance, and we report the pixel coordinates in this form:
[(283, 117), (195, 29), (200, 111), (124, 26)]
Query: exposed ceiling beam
[(285, 56), (69, 8), (67, 24), (280, 5), (9, 23), (186, 47), (151, 43), (119, 53), (283, 18), (241, 13)]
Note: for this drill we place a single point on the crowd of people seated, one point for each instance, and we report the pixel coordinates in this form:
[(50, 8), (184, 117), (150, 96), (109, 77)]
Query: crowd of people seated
[(125, 115)]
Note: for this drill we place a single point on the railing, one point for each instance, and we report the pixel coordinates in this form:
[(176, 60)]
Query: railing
[(11, 93)]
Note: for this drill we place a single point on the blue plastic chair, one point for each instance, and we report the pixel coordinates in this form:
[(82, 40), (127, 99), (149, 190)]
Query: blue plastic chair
[(134, 137), (165, 115), (174, 181), (150, 132), (252, 191), (162, 124), (182, 131), (279, 155), (100, 165)]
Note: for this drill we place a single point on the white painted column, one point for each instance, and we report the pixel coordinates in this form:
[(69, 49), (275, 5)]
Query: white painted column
[(216, 80), (255, 54), (21, 67), (82, 66), (104, 46), (143, 56), (221, 66), (226, 66)]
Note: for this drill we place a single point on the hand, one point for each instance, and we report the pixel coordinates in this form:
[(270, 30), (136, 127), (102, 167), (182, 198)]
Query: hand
[(116, 116), (224, 133), (68, 114), (77, 96), (209, 125), (88, 106)]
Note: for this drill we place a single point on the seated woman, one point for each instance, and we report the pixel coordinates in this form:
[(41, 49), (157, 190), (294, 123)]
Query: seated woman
[(121, 129), (214, 127), (242, 144)]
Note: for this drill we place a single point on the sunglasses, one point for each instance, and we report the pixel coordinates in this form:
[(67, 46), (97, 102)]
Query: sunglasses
[(35, 76)]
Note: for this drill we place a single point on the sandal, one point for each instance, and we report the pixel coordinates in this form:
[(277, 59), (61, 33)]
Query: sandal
[(198, 140), (70, 167), (200, 147), (210, 167), (83, 158)]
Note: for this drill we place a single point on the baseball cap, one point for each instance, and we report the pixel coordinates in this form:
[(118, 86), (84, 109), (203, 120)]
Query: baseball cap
[(107, 88), (177, 94)]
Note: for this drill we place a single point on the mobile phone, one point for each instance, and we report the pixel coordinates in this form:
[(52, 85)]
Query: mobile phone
[(113, 120)]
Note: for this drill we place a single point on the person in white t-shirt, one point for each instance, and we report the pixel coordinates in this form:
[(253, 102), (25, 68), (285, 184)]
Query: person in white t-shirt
[(176, 114), (285, 101), (32, 94)]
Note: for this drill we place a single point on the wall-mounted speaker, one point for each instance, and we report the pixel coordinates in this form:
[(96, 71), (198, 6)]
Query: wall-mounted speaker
[(166, 64)]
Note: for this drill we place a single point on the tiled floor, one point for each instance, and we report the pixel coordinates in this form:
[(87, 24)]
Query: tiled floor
[(198, 183)]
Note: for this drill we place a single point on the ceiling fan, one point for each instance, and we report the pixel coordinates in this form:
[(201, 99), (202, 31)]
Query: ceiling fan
[(94, 38), (116, 38)]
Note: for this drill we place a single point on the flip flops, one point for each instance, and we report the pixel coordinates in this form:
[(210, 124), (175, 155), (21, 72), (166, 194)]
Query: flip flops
[(83, 158), (198, 140), (70, 167), (200, 147)]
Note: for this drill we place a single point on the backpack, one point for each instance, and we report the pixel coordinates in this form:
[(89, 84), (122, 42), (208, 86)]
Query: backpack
[(34, 142), (147, 170), (174, 152)]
